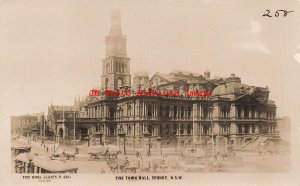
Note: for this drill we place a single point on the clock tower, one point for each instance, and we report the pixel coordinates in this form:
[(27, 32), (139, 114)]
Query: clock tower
[(116, 65)]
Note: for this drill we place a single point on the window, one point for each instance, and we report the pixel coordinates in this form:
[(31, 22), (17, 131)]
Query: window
[(246, 112), (111, 130), (224, 112), (252, 112), (205, 129), (106, 83), (150, 129), (239, 109), (174, 128), (182, 112), (111, 112), (149, 110), (129, 110), (175, 111), (128, 130), (120, 83), (240, 129), (247, 129), (167, 129), (167, 111), (205, 111), (189, 129), (181, 129), (189, 112)]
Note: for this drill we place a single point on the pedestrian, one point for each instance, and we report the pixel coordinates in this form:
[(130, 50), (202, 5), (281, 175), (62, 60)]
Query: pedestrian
[(47, 149), (44, 145)]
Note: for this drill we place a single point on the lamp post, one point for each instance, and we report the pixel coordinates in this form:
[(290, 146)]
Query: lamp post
[(22, 128), (212, 131), (159, 140), (30, 163), (179, 132), (122, 134), (147, 134), (99, 132)]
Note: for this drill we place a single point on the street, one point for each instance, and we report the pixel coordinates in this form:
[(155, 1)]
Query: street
[(251, 162)]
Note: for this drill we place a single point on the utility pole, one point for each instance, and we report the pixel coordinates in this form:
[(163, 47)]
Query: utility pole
[(212, 128), (44, 125), (74, 124)]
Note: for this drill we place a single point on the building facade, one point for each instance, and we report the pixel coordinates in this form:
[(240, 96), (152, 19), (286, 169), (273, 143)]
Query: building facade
[(24, 124), (232, 115)]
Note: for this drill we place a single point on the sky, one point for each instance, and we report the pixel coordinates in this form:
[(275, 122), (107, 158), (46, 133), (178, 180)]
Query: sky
[(52, 50)]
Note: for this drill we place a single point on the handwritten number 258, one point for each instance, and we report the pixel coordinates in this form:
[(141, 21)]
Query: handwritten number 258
[(285, 12)]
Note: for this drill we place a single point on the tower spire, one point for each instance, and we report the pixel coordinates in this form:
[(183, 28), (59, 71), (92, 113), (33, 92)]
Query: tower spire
[(116, 65), (115, 28)]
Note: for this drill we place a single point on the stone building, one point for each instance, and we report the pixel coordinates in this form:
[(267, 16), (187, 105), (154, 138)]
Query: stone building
[(24, 124), (232, 115), (61, 119)]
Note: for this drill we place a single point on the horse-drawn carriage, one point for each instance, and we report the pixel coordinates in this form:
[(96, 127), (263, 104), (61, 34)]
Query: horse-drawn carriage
[(122, 165), (103, 152), (68, 154), (194, 155), (19, 148)]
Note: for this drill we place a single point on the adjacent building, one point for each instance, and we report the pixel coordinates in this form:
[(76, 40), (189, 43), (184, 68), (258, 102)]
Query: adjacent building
[(24, 124)]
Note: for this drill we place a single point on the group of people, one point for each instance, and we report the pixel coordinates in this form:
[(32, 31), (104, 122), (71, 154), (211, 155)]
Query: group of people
[(45, 146)]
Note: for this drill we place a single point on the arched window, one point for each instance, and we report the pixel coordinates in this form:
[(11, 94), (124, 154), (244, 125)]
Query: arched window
[(111, 113), (119, 83), (181, 129), (189, 112), (175, 111), (107, 67), (149, 110), (167, 111), (129, 110), (111, 130), (150, 129), (106, 83), (182, 112), (205, 129), (205, 111), (129, 130)]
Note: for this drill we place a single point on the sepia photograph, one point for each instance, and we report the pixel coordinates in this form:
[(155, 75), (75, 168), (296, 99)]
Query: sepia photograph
[(135, 92)]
